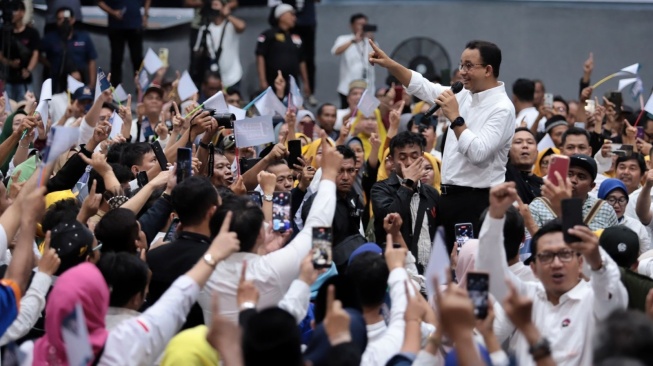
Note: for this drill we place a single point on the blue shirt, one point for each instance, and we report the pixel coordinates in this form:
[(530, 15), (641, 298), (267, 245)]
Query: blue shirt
[(80, 50), (8, 307), (131, 18)]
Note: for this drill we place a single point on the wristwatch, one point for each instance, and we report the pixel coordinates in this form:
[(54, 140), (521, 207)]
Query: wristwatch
[(457, 122), (247, 305), (409, 183), (540, 349), (208, 258), (267, 197)]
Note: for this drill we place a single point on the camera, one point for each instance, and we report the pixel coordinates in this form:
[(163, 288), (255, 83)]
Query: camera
[(225, 120)]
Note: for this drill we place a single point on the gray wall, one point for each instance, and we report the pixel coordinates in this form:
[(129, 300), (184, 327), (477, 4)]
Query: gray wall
[(545, 41)]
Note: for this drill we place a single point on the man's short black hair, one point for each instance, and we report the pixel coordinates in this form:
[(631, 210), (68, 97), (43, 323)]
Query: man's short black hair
[(118, 231), (233, 90), (357, 16), (524, 90), (246, 220), (193, 198), (115, 152), (125, 274), (406, 138), (320, 109), (641, 163), (122, 173), (211, 74), (624, 333), (61, 211), (133, 154), (490, 54), (513, 231), (369, 274), (524, 129), (575, 131), (271, 336), (559, 98), (347, 152), (553, 226), (109, 106)]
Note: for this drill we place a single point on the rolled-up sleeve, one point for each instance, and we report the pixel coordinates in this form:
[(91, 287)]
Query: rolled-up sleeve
[(484, 145)]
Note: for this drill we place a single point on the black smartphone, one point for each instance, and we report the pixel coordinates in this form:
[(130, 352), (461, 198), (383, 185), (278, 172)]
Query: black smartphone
[(160, 155), (256, 197), (572, 215), (478, 288), (172, 230), (322, 244), (184, 163), (370, 28), (247, 164), (141, 178), (281, 211), (617, 99), (294, 152), (464, 232)]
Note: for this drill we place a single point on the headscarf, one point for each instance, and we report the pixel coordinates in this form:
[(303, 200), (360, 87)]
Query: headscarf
[(81, 284), (466, 260), (367, 146), (190, 347), (311, 149), (7, 131), (277, 131), (418, 107), (299, 136), (541, 155), (436, 170), (358, 181), (382, 173)]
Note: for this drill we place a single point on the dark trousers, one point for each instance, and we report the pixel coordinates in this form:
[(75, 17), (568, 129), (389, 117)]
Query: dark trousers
[(307, 33), (462, 208), (343, 101), (117, 40)]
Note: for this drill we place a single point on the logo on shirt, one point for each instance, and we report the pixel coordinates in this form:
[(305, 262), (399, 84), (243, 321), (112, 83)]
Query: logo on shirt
[(297, 40), (261, 38), (433, 212), (566, 322), (280, 37), (79, 44)]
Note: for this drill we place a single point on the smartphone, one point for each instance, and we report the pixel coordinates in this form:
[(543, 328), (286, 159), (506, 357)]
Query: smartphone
[(560, 164), (370, 28), (172, 230), (184, 163), (141, 178), (640, 132), (617, 99), (104, 83), (247, 164), (579, 125), (256, 197), (548, 100), (281, 211), (478, 288), (294, 152), (163, 56), (399, 94), (322, 243), (464, 232), (572, 215), (590, 106), (160, 155)]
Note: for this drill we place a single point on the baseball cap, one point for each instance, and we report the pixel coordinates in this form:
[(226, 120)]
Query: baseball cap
[(362, 84), (83, 93), (154, 88), (585, 162), (622, 244), (73, 242)]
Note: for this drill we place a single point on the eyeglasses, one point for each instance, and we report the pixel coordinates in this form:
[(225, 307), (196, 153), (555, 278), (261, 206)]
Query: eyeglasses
[(468, 66), (613, 200), (565, 256), (350, 171)]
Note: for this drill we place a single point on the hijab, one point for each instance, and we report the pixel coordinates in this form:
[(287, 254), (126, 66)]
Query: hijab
[(310, 151), (435, 163), (190, 347), (541, 155), (7, 131), (81, 284), (466, 261), (381, 131), (383, 174)]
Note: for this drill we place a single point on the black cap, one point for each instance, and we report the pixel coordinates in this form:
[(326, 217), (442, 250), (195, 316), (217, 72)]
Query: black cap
[(586, 162), (622, 244), (420, 120), (73, 242)]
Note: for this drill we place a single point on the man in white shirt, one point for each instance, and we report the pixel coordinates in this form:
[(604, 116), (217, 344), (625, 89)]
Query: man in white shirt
[(565, 307), (523, 91), (482, 122), (352, 49), (273, 273)]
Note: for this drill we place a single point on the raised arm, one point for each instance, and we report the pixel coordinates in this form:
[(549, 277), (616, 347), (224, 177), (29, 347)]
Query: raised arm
[(643, 207), (378, 57)]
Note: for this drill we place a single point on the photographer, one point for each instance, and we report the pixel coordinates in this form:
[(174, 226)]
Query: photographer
[(19, 56), (218, 44)]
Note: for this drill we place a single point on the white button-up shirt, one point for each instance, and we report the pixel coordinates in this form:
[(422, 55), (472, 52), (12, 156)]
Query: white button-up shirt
[(569, 326), (478, 158), (353, 63), (272, 273)]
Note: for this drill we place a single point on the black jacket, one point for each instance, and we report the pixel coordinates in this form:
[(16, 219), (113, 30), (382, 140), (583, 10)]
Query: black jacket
[(347, 217), (528, 185), (390, 196)]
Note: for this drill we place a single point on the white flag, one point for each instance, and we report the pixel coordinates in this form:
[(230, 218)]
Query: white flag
[(545, 143), (438, 263), (42, 109), (623, 83), (269, 104), (295, 93), (186, 87), (46, 90), (368, 103), (649, 105), (60, 140), (632, 69), (73, 84), (239, 113), (143, 80), (152, 62), (119, 94), (254, 131), (217, 103), (116, 125), (7, 102), (75, 337)]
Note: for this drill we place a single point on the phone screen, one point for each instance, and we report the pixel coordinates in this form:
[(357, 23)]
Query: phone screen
[(322, 242), (548, 99), (281, 211), (640, 132), (172, 230), (478, 286), (256, 197), (184, 163), (399, 94), (464, 232), (572, 215), (294, 152), (560, 164), (163, 56)]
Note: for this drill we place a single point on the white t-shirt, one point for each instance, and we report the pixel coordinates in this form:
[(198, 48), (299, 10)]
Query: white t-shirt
[(353, 63), (231, 70), (528, 114)]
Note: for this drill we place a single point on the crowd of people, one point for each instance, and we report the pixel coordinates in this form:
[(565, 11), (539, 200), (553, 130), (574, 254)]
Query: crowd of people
[(397, 236)]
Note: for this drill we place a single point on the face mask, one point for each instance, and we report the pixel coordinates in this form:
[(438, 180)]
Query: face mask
[(214, 13)]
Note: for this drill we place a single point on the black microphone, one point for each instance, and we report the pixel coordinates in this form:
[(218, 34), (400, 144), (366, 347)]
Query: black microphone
[(455, 88)]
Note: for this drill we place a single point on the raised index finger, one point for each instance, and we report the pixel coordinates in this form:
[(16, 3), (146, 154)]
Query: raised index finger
[(331, 294), (92, 192), (174, 104), (374, 46), (226, 223)]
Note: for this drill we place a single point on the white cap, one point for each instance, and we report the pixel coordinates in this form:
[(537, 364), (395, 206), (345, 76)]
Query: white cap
[(282, 9)]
